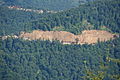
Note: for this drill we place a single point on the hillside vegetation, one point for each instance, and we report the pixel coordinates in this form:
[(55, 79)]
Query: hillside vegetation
[(93, 15), (45, 60), (46, 4), (27, 56), (13, 21)]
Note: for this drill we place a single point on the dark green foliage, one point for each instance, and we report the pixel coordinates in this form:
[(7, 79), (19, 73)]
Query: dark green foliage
[(97, 14), (36, 60), (87, 16), (46, 4), (45, 60), (13, 21)]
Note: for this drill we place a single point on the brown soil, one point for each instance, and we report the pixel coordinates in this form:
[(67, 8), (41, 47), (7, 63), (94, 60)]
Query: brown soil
[(87, 36)]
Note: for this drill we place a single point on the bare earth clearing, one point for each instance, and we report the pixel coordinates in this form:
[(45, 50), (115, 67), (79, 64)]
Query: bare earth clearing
[(87, 36)]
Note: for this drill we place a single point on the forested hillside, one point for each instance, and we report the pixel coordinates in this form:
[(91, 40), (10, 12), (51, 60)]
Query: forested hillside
[(14, 21), (46, 4), (92, 15), (43, 59), (102, 15)]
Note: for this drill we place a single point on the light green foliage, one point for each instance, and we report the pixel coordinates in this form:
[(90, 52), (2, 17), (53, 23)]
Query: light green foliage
[(58, 28)]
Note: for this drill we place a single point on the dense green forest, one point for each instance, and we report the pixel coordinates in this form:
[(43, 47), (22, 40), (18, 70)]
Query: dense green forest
[(91, 15), (13, 21), (46, 4), (45, 60)]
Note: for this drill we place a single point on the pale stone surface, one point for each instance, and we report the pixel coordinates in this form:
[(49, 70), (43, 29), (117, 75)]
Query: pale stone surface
[(87, 36)]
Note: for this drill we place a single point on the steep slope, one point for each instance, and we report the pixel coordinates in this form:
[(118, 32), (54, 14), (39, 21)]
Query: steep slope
[(93, 15), (87, 36), (37, 58), (45, 60), (46, 4), (14, 21)]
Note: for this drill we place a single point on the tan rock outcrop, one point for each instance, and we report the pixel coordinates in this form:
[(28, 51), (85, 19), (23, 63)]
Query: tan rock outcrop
[(87, 36), (92, 36)]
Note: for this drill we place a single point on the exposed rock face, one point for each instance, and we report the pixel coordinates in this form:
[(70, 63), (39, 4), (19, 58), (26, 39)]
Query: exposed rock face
[(87, 36), (92, 36)]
